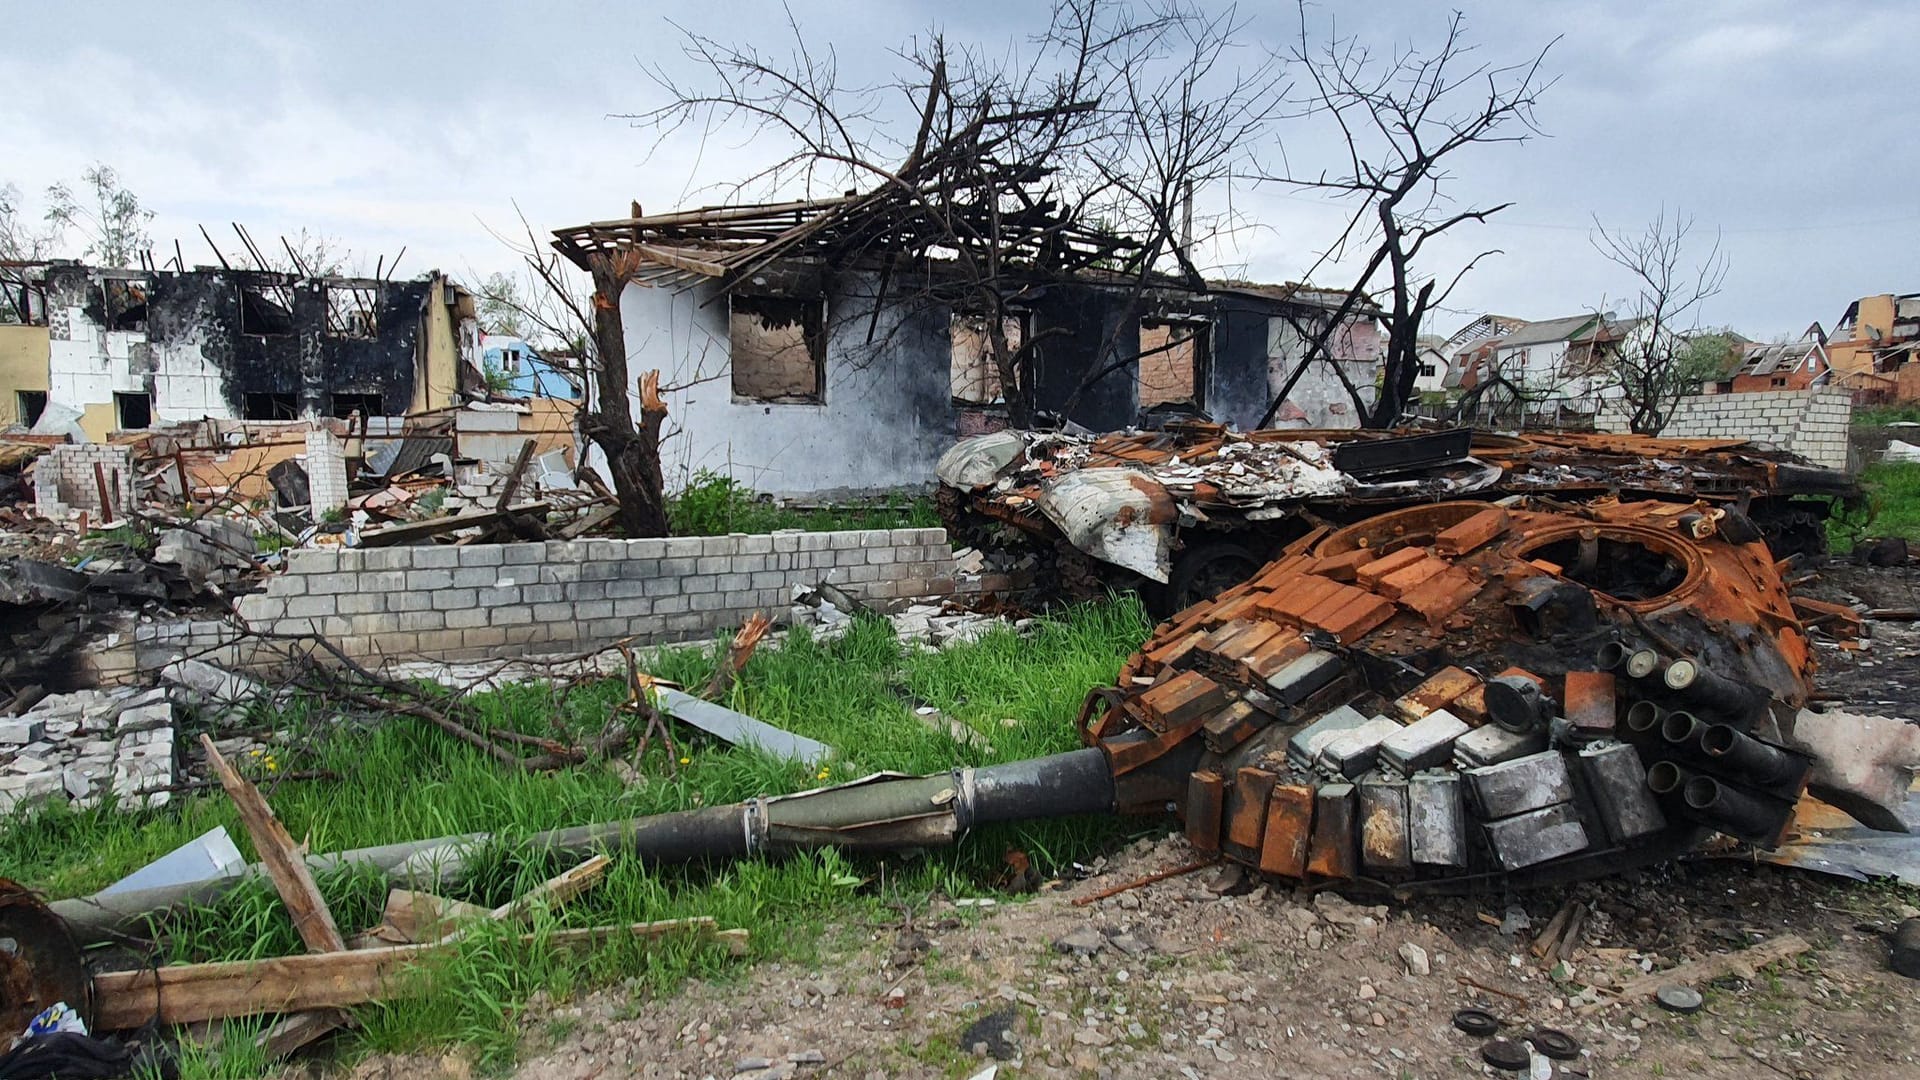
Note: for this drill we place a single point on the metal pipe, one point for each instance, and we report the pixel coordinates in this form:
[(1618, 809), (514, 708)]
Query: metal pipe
[(876, 814), (1734, 812), (1644, 717), (1748, 757), (1611, 656), (1683, 729), (1701, 687), (1665, 778)]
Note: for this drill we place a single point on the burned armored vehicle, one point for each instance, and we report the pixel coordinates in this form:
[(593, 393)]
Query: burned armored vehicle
[(1182, 513)]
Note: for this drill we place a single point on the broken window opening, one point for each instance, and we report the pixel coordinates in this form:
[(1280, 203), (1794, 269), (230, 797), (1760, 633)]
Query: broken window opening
[(28, 405), (22, 303), (125, 304), (259, 406), (134, 411), (1172, 362), (1622, 568), (353, 311), (778, 349), (266, 310), (973, 377), (346, 405)]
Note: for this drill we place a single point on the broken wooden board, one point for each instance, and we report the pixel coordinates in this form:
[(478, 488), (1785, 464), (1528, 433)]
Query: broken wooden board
[(412, 916), (557, 890), (740, 729), (1745, 964), (283, 858), (189, 993), (408, 532)]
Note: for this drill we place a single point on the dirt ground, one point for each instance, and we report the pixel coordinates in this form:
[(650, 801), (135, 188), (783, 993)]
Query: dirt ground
[(1177, 979)]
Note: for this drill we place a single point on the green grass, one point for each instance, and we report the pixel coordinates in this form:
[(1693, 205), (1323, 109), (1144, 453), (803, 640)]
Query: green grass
[(715, 505), (1887, 414), (1893, 498), (402, 781)]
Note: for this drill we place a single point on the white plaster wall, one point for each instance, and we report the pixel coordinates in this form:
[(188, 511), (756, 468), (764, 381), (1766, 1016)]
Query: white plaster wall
[(885, 420), (1319, 396), (186, 385)]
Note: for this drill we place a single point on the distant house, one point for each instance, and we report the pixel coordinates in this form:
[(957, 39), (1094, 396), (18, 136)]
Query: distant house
[(1781, 365), (1873, 346), (1433, 365), (525, 372)]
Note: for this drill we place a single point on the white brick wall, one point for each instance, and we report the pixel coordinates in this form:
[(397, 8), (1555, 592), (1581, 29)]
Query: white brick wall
[(1811, 423), (326, 466), (64, 479), (561, 596)]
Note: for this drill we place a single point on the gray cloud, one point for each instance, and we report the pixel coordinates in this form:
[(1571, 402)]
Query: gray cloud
[(1782, 125)]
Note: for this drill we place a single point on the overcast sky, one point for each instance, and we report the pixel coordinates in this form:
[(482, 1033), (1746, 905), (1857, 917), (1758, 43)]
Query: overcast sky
[(1785, 126)]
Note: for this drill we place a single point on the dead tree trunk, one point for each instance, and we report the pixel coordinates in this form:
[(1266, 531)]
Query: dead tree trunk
[(632, 450)]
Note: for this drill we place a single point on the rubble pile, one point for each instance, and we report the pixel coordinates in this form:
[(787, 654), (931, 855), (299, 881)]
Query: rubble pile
[(89, 745)]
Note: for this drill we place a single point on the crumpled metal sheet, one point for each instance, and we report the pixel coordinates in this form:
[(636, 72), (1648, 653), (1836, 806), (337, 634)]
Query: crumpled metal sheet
[(1825, 840), (1115, 516)]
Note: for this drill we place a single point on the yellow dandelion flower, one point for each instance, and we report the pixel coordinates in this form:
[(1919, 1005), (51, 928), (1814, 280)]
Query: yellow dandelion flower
[(686, 761)]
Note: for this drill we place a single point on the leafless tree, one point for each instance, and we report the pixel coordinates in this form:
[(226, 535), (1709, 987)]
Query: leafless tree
[(1653, 365), (1405, 117), (583, 327), (989, 174)]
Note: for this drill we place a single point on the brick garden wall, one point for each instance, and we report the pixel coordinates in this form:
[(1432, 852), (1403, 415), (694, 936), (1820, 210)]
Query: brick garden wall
[(1811, 423), (561, 596)]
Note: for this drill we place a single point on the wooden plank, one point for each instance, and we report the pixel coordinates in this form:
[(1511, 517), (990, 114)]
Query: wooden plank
[(282, 857), (514, 474), (410, 531), (557, 890), (1745, 964), (189, 993)]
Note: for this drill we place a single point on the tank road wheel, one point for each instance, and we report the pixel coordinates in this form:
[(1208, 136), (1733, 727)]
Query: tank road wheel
[(1205, 570)]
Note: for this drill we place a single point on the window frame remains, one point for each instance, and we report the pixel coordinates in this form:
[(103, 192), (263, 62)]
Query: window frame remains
[(124, 303), (353, 310), (980, 370), (123, 398), (269, 294), (809, 314), (1201, 337), (278, 408)]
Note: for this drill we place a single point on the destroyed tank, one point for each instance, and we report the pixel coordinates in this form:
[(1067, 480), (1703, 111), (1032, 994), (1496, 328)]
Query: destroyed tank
[(1181, 513)]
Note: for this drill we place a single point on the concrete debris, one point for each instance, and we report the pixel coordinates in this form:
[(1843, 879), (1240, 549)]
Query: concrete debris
[(89, 746)]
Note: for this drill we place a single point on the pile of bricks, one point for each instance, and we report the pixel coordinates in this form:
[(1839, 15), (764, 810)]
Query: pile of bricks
[(87, 745)]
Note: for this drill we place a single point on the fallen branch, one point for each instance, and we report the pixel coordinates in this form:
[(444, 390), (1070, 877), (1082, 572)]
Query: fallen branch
[(739, 651)]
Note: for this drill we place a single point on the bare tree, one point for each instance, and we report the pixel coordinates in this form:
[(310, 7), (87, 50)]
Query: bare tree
[(107, 214), (582, 329), (988, 175), (1653, 364), (1405, 119)]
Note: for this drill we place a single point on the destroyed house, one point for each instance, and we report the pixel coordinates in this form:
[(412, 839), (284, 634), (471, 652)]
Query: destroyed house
[(101, 350), (804, 361)]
